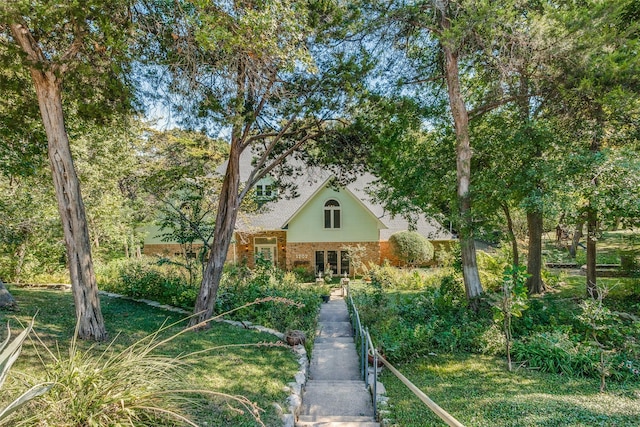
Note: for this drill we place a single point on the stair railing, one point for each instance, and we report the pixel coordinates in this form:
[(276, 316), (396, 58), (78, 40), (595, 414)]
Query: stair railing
[(367, 349)]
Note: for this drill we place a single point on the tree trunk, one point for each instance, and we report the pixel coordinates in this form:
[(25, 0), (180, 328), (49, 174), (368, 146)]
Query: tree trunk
[(20, 254), (575, 240), (71, 208), (512, 235), (7, 302), (228, 206), (47, 81), (472, 284), (592, 230), (534, 259), (592, 210)]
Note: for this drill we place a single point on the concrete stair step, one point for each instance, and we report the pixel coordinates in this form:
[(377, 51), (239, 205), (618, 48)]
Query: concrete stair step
[(355, 384), (336, 398), (334, 365), (336, 421), (334, 329), (329, 344), (331, 340), (334, 316)]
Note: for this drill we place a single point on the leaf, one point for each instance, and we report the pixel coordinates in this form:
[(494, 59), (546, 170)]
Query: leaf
[(10, 352), (32, 393)]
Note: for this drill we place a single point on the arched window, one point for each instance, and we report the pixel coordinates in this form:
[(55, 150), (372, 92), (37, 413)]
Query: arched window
[(332, 214)]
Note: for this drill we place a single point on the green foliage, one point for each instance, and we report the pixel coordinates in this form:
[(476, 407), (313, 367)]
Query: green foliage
[(31, 240), (302, 275), (555, 352), (135, 386), (513, 300), (226, 359), (491, 268), (9, 352), (411, 247), (240, 286), (388, 277), (598, 320), (145, 279), (434, 319), (476, 390)]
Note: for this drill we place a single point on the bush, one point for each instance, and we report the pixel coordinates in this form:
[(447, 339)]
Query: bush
[(132, 387), (411, 247), (436, 319), (556, 352), (491, 268), (240, 286), (143, 278)]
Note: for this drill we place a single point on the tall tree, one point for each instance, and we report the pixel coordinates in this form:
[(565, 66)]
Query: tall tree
[(460, 115), (597, 102), (263, 74), (72, 49)]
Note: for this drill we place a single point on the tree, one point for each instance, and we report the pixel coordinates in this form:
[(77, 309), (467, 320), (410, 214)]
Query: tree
[(106, 160), (411, 247), (460, 116), (511, 303), (355, 254), (71, 44), (596, 106), (30, 233), (264, 73)]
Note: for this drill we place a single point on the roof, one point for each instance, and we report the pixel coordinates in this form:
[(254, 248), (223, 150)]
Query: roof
[(276, 214)]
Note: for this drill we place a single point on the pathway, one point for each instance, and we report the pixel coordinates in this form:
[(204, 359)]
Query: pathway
[(335, 394)]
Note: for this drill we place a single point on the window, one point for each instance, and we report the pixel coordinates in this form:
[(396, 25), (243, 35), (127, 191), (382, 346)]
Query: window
[(332, 262), (328, 260), (332, 214), (344, 263), (265, 191)]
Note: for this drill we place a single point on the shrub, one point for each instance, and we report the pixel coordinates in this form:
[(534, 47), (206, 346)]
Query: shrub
[(435, 319), (303, 275), (556, 352), (132, 387), (145, 279), (491, 268), (411, 247), (240, 286)]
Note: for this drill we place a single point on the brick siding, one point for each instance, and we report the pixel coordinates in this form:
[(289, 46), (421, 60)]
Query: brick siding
[(304, 254)]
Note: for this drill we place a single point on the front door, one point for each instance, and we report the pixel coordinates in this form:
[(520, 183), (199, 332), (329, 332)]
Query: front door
[(266, 248), (266, 252)]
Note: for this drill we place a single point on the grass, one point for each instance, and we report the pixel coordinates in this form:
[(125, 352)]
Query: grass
[(258, 372), (609, 246), (478, 391)]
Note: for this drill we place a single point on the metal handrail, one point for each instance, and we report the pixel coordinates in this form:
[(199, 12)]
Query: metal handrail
[(367, 348)]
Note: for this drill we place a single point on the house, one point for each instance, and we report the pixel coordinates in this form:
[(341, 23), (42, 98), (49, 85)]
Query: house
[(314, 229)]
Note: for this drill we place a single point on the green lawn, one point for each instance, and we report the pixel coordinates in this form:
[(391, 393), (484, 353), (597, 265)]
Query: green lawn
[(479, 392), (258, 372), (608, 249)]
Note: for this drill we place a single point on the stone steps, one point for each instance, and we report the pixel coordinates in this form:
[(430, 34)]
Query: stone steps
[(336, 421), (335, 394), (336, 398)]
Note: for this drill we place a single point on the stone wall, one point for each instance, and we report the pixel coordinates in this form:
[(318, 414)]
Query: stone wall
[(245, 250), (293, 255), (303, 255)]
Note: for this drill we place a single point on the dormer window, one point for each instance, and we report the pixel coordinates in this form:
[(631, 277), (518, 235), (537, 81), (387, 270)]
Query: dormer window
[(264, 191), (332, 214)]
